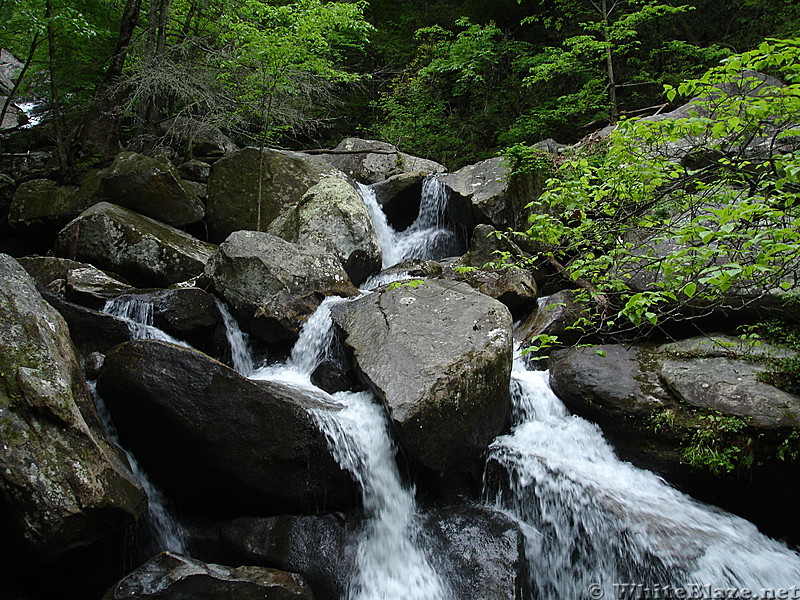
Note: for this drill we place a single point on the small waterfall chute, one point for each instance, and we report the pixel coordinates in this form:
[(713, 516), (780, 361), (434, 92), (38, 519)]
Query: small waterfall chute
[(433, 234)]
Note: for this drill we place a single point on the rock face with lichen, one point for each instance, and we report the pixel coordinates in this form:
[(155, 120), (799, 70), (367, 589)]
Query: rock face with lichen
[(64, 485), (274, 285), (333, 216), (141, 249), (150, 187), (249, 189), (439, 355)]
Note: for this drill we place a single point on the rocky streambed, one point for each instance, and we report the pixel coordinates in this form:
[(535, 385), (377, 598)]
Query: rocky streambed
[(319, 418)]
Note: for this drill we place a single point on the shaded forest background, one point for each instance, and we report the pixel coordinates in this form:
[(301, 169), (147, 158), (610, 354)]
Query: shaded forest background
[(452, 81)]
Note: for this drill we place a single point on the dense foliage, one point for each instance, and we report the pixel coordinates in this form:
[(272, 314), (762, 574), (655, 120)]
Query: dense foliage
[(452, 81), (673, 218)]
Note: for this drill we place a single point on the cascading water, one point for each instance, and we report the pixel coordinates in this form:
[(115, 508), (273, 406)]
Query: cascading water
[(431, 236), (390, 563), (597, 527), (165, 530), (137, 312), (242, 358)]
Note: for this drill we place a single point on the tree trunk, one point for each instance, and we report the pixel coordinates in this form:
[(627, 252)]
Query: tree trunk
[(612, 82), (55, 105), (98, 140), (13, 92)]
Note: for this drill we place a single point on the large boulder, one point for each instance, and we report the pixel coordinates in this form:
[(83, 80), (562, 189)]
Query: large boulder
[(146, 252), (248, 189), (333, 216), (171, 576), (62, 485), (283, 542), (150, 187), (216, 441), (273, 285), (43, 204), (80, 282), (439, 355), (482, 550), (555, 316), (496, 198), (370, 161)]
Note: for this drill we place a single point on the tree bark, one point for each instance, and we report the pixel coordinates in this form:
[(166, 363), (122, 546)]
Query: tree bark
[(98, 140), (55, 104), (13, 91), (612, 82)]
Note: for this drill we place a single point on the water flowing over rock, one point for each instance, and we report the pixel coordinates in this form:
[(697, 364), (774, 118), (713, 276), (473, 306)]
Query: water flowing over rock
[(482, 550), (651, 401), (188, 313), (593, 522), (146, 252), (216, 441), (171, 576), (332, 215), (63, 484), (495, 198), (150, 187), (273, 285), (239, 199), (370, 161), (439, 355)]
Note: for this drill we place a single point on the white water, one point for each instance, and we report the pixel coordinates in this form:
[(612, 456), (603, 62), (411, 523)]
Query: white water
[(390, 564), (592, 520), (166, 532), (431, 236), (242, 358), (138, 314)]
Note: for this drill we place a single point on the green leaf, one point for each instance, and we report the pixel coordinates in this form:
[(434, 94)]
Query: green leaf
[(689, 289)]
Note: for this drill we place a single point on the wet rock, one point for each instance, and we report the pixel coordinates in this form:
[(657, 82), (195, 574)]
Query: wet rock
[(188, 313), (146, 252), (238, 199), (62, 484), (333, 216), (495, 198), (273, 285), (283, 542), (91, 330), (171, 576), (150, 187), (217, 442), (439, 356), (370, 161), (481, 550), (399, 192)]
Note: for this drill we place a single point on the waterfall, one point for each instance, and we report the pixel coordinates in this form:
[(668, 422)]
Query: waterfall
[(431, 236), (242, 358), (137, 312), (166, 532), (390, 563), (595, 526)]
